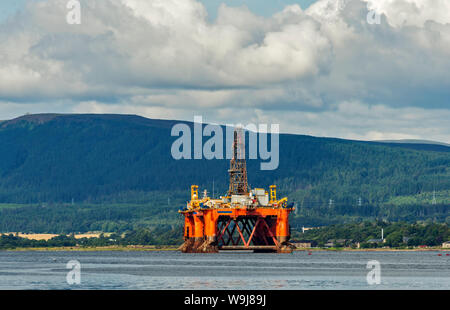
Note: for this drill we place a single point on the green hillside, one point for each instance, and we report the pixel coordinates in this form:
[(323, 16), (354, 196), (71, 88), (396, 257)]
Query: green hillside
[(113, 163)]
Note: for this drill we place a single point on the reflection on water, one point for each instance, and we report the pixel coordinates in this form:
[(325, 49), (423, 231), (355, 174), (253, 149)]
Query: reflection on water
[(174, 270)]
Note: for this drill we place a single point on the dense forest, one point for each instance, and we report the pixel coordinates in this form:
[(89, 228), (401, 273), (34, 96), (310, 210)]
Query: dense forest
[(66, 218), (77, 173), (399, 234)]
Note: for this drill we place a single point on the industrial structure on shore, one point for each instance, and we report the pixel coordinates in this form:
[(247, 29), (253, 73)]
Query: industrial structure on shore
[(244, 219)]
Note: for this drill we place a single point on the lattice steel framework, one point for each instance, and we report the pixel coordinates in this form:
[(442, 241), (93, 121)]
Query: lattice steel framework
[(238, 166)]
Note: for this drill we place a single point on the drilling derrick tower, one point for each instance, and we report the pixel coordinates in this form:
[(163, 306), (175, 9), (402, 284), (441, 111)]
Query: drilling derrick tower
[(243, 219), (238, 167)]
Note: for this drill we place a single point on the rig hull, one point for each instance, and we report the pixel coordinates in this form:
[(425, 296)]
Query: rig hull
[(258, 229)]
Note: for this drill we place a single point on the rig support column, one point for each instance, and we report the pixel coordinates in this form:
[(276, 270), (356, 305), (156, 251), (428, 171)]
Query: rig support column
[(210, 245), (199, 236), (282, 232), (188, 234)]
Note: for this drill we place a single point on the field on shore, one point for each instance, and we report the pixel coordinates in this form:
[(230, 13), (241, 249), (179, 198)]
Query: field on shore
[(101, 248), (47, 237)]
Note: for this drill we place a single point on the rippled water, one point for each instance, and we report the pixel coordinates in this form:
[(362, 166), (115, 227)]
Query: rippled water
[(231, 270)]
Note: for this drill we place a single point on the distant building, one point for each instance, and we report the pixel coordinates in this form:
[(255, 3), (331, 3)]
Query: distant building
[(446, 245), (329, 244), (301, 243), (338, 242), (308, 228), (342, 240), (382, 240), (375, 240)]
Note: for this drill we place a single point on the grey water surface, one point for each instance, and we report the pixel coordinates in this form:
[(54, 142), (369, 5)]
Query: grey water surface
[(155, 270)]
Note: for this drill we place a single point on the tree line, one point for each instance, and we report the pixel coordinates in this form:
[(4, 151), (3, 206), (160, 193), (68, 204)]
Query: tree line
[(159, 237), (368, 234)]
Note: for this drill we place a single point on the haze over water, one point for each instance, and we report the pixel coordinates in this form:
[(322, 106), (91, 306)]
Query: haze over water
[(174, 270)]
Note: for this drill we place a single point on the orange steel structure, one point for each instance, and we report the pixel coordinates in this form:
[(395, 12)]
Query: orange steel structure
[(244, 219)]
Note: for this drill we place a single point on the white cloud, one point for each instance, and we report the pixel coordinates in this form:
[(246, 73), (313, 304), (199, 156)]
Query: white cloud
[(163, 58)]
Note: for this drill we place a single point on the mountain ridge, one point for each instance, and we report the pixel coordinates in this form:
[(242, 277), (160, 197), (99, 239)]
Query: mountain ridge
[(41, 118), (50, 153), (99, 172), (413, 141)]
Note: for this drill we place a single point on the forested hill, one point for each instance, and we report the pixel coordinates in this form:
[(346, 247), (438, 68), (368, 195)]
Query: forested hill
[(64, 158)]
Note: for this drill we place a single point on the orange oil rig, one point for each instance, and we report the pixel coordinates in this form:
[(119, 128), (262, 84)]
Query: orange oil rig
[(244, 219)]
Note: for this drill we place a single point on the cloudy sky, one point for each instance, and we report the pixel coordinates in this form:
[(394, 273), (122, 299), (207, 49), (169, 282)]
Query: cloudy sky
[(315, 67)]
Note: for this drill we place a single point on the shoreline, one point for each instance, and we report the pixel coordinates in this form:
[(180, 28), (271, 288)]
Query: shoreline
[(153, 248), (373, 250), (150, 248)]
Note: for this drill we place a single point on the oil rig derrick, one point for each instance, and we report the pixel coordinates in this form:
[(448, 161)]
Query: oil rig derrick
[(244, 219), (238, 167)]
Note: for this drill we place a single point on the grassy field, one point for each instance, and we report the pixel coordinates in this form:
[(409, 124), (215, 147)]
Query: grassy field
[(12, 205), (441, 197), (50, 236)]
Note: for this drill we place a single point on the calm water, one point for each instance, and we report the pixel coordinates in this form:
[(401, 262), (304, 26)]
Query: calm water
[(174, 270)]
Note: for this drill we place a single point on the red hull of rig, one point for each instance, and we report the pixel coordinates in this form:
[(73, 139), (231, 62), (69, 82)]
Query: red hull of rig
[(241, 220)]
